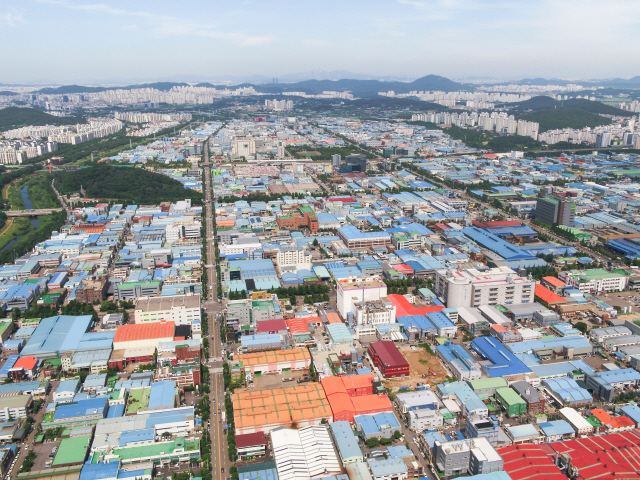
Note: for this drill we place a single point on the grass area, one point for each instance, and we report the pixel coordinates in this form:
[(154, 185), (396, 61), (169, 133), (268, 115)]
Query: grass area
[(19, 226), (40, 192)]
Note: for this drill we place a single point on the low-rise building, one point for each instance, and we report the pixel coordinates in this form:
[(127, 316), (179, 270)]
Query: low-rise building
[(470, 456), (425, 419)]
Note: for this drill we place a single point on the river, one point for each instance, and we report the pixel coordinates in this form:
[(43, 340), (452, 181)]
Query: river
[(35, 223)]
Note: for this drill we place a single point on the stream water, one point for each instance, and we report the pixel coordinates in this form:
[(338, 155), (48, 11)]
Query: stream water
[(35, 223)]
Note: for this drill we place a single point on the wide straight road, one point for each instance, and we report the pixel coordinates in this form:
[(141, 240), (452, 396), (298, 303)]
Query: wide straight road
[(219, 455)]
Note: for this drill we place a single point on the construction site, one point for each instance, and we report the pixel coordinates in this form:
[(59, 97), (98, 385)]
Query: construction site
[(424, 369)]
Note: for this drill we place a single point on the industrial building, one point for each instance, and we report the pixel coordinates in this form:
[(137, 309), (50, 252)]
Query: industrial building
[(346, 443), (567, 392), (594, 280), (556, 210), (358, 289), (459, 361), (143, 335), (472, 288), (418, 400), (351, 396), (275, 361), (264, 410), (304, 453), (472, 456), (180, 309), (386, 356), (379, 425), (425, 419), (511, 402), (56, 335), (535, 401)]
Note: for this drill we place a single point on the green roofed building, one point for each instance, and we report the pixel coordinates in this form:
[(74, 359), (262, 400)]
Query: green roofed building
[(487, 386), (511, 402), (160, 453), (578, 234), (72, 451)]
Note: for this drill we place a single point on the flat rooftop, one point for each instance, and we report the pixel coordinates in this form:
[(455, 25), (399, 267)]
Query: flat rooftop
[(157, 304)]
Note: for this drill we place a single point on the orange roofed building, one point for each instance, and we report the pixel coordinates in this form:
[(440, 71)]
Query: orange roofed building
[(275, 361), (264, 410), (350, 396), (613, 424)]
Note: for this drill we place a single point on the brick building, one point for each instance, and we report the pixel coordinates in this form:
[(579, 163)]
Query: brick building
[(92, 290), (295, 218)]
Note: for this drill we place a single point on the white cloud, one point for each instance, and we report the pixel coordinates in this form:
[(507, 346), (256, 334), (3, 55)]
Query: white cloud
[(13, 18), (163, 26)]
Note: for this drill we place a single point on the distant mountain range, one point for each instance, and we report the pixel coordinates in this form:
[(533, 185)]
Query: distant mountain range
[(633, 82), (359, 88)]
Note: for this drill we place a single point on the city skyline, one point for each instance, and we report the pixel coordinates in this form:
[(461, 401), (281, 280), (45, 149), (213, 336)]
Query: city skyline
[(117, 42)]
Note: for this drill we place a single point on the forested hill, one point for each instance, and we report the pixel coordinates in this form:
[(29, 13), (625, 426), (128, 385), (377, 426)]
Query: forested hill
[(13, 117), (124, 184), (359, 88)]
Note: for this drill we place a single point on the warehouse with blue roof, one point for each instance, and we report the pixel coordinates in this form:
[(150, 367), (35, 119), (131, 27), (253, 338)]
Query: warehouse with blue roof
[(567, 392), (162, 395), (56, 335), (346, 442), (504, 362)]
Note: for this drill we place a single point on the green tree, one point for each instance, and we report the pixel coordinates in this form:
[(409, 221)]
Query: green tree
[(372, 442), (583, 327), (15, 314)]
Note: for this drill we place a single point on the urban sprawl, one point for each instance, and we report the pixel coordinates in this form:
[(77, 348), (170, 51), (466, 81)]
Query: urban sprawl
[(346, 299)]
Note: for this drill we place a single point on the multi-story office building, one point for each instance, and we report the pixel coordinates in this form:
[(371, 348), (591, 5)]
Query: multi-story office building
[(293, 258), (374, 312), (594, 280), (559, 209), (473, 455), (356, 162), (243, 147), (358, 289), (181, 309), (472, 288)]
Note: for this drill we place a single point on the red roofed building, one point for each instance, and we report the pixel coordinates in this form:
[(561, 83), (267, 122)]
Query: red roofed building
[(298, 326), (278, 325), (403, 269), (606, 457), (350, 396), (614, 424), (503, 223), (140, 335), (546, 295), (251, 445), (333, 318), (25, 367), (526, 461), (554, 284), (403, 307), (388, 359)]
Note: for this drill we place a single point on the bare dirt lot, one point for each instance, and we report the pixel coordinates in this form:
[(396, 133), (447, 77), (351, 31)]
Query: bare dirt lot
[(417, 368)]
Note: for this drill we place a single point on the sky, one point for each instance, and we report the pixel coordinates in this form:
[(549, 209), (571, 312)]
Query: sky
[(95, 42)]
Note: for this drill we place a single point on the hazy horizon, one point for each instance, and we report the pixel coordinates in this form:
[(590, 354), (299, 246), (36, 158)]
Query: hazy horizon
[(117, 42)]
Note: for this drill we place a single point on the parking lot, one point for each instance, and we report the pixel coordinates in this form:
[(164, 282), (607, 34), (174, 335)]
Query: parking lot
[(622, 300), (267, 382), (42, 452)]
